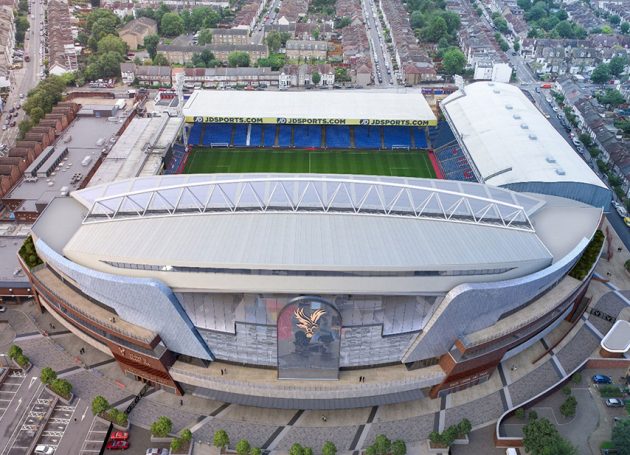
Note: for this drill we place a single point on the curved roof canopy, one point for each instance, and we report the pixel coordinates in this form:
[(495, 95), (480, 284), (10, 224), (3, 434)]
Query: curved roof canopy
[(509, 139)]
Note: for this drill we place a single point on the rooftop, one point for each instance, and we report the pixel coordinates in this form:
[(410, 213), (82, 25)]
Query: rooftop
[(510, 140), (618, 338), (353, 105)]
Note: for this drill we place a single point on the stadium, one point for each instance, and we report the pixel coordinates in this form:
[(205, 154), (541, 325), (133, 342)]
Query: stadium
[(296, 281)]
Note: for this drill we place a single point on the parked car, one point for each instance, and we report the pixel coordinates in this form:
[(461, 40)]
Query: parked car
[(3, 309), (119, 436), (626, 220), (44, 450), (621, 210), (602, 379), (157, 452), (614, 403), (117, 445), (13, 124)]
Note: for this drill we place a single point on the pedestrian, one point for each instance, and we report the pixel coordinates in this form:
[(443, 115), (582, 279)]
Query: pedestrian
[(181, 402), (75, 419), (619, 249)]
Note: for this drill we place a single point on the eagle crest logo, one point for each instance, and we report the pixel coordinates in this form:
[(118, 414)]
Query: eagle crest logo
[(308, 323)]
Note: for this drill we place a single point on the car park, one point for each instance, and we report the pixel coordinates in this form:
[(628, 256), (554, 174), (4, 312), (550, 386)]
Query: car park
[(601, 379), (614, 403), (117, 445)]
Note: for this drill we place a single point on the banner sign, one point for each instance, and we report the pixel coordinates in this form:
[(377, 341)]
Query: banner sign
[(309, 121)]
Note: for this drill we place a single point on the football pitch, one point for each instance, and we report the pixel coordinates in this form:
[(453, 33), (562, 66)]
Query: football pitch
[(401, 163)]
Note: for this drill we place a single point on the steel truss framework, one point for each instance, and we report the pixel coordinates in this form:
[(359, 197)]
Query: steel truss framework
[(312, 195)]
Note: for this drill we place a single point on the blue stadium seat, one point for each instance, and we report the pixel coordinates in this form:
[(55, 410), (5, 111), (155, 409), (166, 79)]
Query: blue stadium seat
[(255, 135), (284, 136), (270, 135), (338, 137), (367, 137), (396, 135), (307, 136), (441, 135), (240, 135), (454, 164), (217, 133), (420, 137), (194, 138)]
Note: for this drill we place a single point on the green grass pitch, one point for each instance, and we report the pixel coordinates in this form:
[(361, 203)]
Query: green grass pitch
[(401, 163)]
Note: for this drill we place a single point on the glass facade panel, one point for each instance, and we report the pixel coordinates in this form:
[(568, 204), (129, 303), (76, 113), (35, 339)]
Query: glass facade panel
[(308, 340)]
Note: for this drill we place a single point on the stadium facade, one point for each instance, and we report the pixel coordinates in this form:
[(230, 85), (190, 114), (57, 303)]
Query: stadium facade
[(295, 282)]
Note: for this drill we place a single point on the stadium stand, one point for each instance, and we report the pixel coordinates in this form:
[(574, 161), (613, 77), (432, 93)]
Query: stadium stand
[(217, 133), (454, 164), (367, 137), (441, 135), (194, 137), (240, 135), (177, 161), (270, 135), (307, 136), (255, 135), (338, 137), (420, 137), (284, 136), (396, 136)]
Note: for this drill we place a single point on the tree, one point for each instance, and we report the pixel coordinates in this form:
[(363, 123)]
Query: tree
[(103, 27), (621, 437), (221, 439), (567, 408), (464, 427), (617, 64), (614, 19), (186, 435), (417, 19), (316, 78), (176, 444), (98, 14), (382, 444), (329, 448), (436, 29), (205, 36), (454, 61), (600, 74), (151, 43), (48, 375), (99, 405), (14, 351), (160, 60), (611, 98), (296, 449), (538, 433), (238, 59), (255, 451), (243, 447), (24, 126), (564, 29), (517, 46), (171, 24), (111, 43), (399, 447), (624, 28), (61, 387), (308, 451), (315, 33), (274, 41), (161, 427)]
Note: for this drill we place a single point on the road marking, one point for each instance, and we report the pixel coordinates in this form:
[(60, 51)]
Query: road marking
[(19, 403), (33, 379), (84, 412)]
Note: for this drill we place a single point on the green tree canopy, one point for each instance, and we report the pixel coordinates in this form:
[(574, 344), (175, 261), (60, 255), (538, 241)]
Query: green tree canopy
[(14, 351), (611, 98), (48, 375), (160, 60), (221, 439), (243, 447), (399, 447), (161, 427), (112, 43), (382, 444), (296, 449), (98, 14), (329, 448), (171, 24), (205, 36), (453, 61), (621, 437), (238, 59), (436, 29), (61, 387), (316, 77), (151, 43), (99, 404), (624, 28), (542, 438), (617, 64), (600, 74), (274, 41)]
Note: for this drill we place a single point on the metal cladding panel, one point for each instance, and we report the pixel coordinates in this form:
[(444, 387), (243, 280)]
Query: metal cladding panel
[(472, 307), (145, 302), (583, 192)]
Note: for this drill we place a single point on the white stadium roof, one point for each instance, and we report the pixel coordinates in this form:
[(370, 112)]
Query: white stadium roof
[(509, 139), (353, 105)]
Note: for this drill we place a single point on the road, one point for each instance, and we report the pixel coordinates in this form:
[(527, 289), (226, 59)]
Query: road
[(25, 79), (267, 18), (381, 60)]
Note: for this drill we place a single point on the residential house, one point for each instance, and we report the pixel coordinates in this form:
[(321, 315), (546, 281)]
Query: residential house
[(307, 49), (293, 10), (182, 53), (134, 32), (302, 75), (62, 52), (146, 74), (7, 44), (233, 36), (221, 77)]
